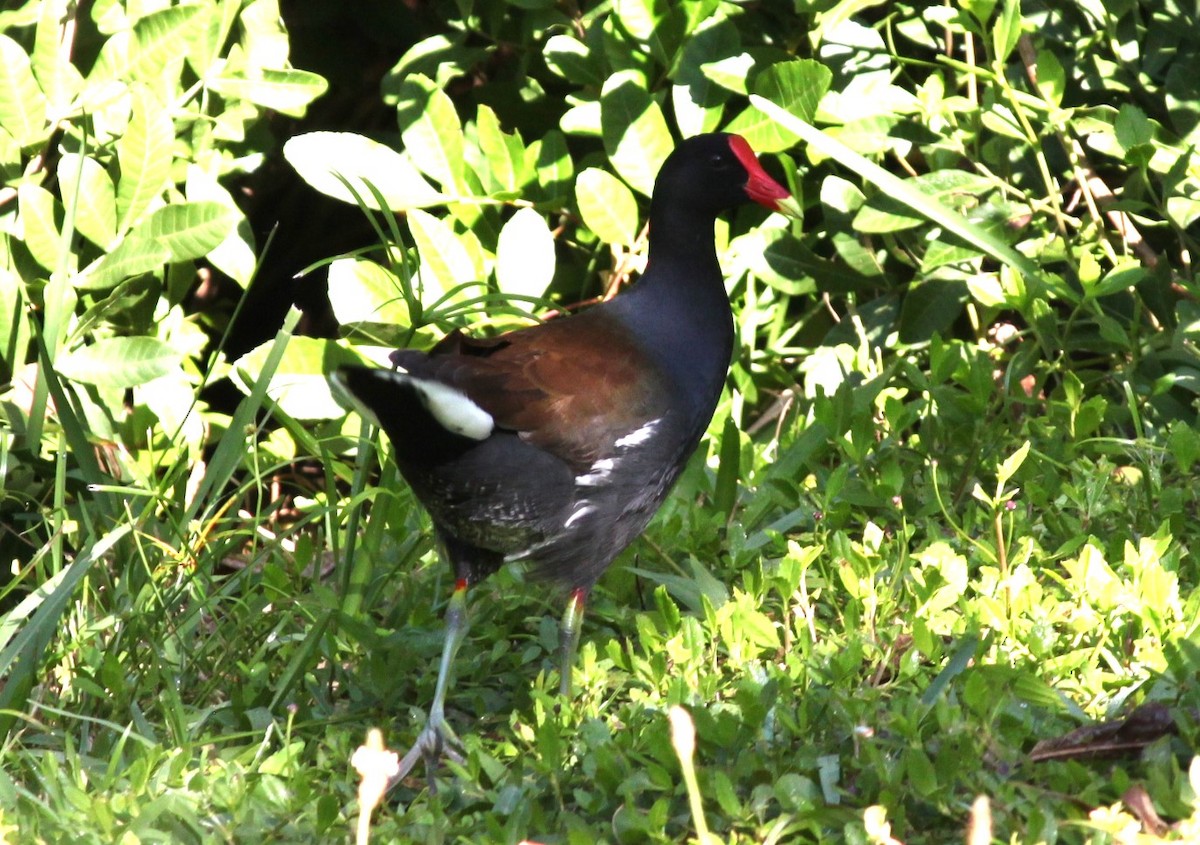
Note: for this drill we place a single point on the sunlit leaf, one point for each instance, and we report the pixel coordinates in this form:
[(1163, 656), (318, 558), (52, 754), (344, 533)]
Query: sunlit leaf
[(86, 185), (525, 254), (607, 206), (635, 132), (322, 157), (188, 229), (286, 91), (22, 103), (37, 209), (144, 154), (120, 361)]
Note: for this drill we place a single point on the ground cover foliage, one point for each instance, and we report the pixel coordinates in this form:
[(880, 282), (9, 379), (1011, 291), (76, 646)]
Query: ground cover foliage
[(938, 542)]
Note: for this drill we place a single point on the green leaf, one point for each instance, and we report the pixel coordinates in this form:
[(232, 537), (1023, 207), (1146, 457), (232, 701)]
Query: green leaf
[(1132, 128), (286, 91), (930, 307), (504, 154), (916, 200), (635, 132), (432, 132), (362, 291), (607, 206), (163, 36), (86, 185), (445, 261), (36, 207), (188, 229), (299, 384), (120, 362), (1009, 466), (570, 59), (796, 86), (696, 100), (57, 77), (1051, 78), (1007, 30), (235, 256), (22, 103), (132, 257), (779, 259), (321, 157), (144, 154), (525, 255), (651, 24), (552, 161)]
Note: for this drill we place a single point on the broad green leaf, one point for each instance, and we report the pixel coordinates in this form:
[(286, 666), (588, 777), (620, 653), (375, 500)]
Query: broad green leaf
[(635, 132), (22, 103), (58, 78), (445, 261), (208, 46), (956, 189), (607, 206), (930, 307), (144, 154), (164, 36), (525, 255), (263, 35), (1051, 78), (890, 183), (86, 185), (132, 257), (235, 256), (286, 91), (552, 161), (779, 259), (696, 100), (362, 291), (1007, 30), (432, 132), (796, 86), (36, 207), (583, 118), (651, 24), (321, 157), (120, 362), (733, 71), (299, 385), (570, 58), (188, 229), (1132, 127), (503, 166)]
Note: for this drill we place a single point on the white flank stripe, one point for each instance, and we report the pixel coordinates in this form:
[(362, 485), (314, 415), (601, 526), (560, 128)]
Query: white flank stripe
[(581, 510), (597, 474), (638, 436)]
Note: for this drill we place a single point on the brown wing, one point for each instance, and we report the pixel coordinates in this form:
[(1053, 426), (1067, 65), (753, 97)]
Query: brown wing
[(571, 386)]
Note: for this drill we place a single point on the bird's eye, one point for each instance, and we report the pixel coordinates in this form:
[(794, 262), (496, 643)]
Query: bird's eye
[(718, 161)]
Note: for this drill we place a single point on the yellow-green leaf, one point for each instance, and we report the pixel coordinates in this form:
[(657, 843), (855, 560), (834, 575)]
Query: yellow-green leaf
[(35, 205), (88, 189), (144, 154), (22, 103), (607, 206), (525, 255)]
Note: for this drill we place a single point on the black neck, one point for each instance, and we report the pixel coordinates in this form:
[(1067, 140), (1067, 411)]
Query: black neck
[(679, 311)]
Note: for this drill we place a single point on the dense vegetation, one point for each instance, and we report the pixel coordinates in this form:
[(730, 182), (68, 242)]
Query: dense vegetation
[(945, 511)]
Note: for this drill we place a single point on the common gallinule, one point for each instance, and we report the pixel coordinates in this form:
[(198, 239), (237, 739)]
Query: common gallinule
[(555, 444)]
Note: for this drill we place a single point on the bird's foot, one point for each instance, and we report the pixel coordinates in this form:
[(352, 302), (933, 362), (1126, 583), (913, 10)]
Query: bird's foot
[(436, 740)]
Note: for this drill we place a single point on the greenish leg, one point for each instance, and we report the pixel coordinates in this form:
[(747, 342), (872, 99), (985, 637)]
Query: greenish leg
[(433, 741), (568, 633)]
